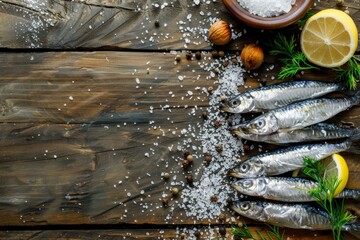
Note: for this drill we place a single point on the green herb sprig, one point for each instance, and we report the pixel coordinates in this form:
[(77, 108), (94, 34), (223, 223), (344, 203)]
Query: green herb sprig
[(274, 233), (295, 61), (324, 196)]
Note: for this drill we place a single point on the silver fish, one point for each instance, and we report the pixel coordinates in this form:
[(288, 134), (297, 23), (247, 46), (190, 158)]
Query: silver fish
[(317, 132), (298, 216), (274, 96), (299, 115), (285, 189), (291, 158)]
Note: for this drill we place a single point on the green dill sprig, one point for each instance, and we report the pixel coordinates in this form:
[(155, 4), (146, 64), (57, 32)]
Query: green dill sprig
[(302, 21), (294, 61), (349, 73), (324, 195), (274, 233)]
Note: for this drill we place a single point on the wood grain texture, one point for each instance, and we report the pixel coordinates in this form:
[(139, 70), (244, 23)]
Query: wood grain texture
[(161, 233), (77, 136), (121, 24)]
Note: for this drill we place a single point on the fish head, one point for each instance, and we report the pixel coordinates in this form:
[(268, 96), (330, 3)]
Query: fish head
[(262, 125), (250, 209), (252, 168), (250, 186), (238, 104)]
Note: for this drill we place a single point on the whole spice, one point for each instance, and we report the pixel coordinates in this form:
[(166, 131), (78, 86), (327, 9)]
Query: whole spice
[(157, 23), (219, 148), (220, 33), (252, 56), (189, 158), (208, 158), (185, 163), (215, 54), (174, 191), (204, 115), (188, 55), (210, 90), (166, 176), (189, 179), (198, 55), (178, 58), (186, 153), (214, 198), (165, 201)]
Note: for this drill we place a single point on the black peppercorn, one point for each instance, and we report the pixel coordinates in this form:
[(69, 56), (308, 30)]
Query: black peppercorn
[(204, 115), (222, 230), (210, 90), (157, 23), (198, 55), (208, 158), (189, 179), (188, 55), (165, 201), (215, 54), (185, 163), (219, 148), (214, 198)]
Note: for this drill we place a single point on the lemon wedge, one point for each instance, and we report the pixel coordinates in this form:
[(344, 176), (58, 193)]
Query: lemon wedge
[(329, 38), (335, 166)]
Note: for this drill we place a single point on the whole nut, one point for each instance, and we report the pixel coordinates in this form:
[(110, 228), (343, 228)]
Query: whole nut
[(252, 56), (220, 33)]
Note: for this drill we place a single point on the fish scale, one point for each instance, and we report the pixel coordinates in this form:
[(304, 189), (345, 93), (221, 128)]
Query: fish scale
[(274, 96), (289, 159), (298, 115)]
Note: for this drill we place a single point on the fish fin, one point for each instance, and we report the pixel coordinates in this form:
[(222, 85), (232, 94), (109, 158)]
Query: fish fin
[(354, 142), (353, 229)]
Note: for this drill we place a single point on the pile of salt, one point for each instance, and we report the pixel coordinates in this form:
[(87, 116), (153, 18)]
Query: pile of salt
[(267, 8)]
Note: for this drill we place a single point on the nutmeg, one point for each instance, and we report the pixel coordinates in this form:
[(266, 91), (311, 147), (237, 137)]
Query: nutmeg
[(252, 56), (220, 33)]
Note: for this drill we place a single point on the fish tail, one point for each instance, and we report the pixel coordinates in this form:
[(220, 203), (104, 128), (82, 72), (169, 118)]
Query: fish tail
[(354, 143), (353, 229)]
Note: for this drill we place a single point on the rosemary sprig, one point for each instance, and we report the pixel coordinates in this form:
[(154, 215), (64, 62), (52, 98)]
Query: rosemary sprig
[(274, 233), (324, 196)]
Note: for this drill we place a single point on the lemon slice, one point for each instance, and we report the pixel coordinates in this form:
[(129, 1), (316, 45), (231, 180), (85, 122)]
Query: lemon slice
[(329, 38), (335, 166)]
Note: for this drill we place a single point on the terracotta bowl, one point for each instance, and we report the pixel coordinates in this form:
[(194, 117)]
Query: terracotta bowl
[(297, 11)]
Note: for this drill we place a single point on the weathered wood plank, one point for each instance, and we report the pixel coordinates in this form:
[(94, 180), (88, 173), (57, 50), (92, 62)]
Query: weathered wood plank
[(119, 24), (89, 162), (190, 232)]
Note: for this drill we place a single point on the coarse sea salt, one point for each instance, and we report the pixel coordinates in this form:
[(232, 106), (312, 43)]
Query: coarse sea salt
[(267, 8)]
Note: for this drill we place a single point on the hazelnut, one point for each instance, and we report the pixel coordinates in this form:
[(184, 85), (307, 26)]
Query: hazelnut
[(220, 33), (252, 56), (190, 158)]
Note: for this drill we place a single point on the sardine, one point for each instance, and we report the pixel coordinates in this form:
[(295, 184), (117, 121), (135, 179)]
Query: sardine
[(285, 189), (274, 96), (317, 132), (291, 158), (299, 115), (298, 216)]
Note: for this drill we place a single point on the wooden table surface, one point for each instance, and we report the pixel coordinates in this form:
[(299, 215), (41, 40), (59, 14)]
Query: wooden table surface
[(93, 108)]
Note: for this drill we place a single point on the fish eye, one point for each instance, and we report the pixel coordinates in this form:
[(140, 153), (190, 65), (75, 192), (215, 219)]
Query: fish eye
[(245, 206), (235, 102), (260, 123), (247, 183), (244, 167)]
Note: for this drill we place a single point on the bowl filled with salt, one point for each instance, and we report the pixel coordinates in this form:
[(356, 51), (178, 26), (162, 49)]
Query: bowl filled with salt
[(268, 14)]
